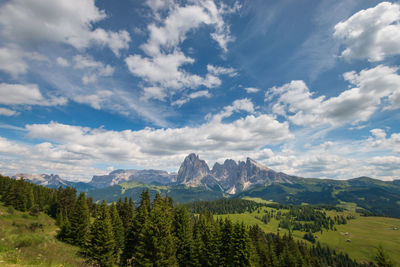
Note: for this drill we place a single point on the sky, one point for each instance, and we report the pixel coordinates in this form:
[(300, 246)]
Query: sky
[(309, 88)]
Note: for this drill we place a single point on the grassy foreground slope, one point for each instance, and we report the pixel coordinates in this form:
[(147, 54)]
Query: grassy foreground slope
[(30, 241), (364, 233)]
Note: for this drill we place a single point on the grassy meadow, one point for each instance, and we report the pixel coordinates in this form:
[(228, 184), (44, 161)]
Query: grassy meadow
[(30, 241), (364, 233)]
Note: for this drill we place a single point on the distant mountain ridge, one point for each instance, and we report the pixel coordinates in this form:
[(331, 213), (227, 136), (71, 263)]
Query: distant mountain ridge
[(143, 176), (53, 181), (195, 181), (230, 177)]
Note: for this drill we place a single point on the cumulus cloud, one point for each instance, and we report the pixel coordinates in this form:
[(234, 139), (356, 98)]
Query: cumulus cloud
[(26, 94), (371, 88), (379, 140), (13, 60), (26, 25), (65, 21), (162, 67), (341, 159), (216, 70), (163, 72), (373, 33), (8, 112), (94, 100), (83, 147), (95, 68), (62, 62), (186, 99), (251, 90), (244, 104)]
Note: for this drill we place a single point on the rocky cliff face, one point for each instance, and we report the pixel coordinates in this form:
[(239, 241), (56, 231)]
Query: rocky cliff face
[(192, 171), (42, 179), (231, 177), (143, 176)]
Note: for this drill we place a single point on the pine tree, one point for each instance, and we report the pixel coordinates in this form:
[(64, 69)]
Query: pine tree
[(118, 230), (80, 221), (226, 248), (240, 246), (183, 234), (382, 259), (162, 242), (136, 230), (65, 232), (101, 246)]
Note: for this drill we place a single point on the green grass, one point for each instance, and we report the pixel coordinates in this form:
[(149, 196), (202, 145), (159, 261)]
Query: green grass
[(23, 245), (259, 200), (364, 233)]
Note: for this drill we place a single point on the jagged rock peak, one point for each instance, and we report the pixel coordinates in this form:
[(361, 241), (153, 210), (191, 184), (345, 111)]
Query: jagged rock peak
[(192, 170), (250, 162)]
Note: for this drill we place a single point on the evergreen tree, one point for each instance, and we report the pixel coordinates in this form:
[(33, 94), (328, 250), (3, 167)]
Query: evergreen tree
[(118, 230), (382, 259), (162, 244), (65, 233), (183, 234), (136, 229), (101, 246), (80, 221), (240, 246), (226, 248)]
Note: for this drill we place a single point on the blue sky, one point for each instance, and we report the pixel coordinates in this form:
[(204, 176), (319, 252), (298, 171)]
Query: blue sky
[(308, 88)]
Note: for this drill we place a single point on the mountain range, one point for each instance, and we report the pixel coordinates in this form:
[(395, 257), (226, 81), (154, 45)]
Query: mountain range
[(196, 181)]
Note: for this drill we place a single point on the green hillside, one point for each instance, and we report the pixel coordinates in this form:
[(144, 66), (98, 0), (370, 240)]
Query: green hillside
[(359, 237), (374, 196), (30, 241)]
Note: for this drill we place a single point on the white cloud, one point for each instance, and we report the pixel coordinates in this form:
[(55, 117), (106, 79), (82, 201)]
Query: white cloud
[(186, 99), (9, 147), (251, 90), (62, 62), (371, 88), (83, 147), (216, 70), (26, 94), (378, 140), (64, 21), (373, 33), (116, 41), (95, 68), (164, 71), (162, 67), (95, 100), (12, 62), (238, 105), (8, 112), (341, 159)]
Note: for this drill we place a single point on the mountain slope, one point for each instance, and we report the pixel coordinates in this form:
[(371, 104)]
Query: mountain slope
[(143, 176), (230, 177), (53, 181)]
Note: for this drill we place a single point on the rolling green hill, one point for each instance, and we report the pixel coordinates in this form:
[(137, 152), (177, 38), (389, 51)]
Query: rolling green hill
[(375, 196), (30, 241), (359, 237)]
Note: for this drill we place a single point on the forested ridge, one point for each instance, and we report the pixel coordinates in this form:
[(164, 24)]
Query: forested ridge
[(159, 233)]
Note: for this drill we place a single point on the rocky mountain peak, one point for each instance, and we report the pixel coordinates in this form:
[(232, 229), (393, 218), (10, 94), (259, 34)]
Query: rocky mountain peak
[(192, 170)]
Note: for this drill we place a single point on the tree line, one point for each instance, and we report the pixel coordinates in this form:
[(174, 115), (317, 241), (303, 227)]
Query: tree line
[(159, 233)]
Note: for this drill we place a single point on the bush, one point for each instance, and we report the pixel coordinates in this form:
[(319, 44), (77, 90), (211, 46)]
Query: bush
[(11, 210), (35, 226), (35, 211)]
